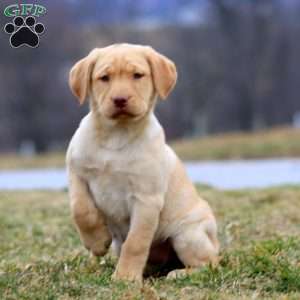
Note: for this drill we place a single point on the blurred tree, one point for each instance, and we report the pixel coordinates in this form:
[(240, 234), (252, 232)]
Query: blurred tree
[(239, 67)]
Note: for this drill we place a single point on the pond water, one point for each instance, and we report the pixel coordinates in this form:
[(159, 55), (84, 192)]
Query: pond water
[(220, 174)]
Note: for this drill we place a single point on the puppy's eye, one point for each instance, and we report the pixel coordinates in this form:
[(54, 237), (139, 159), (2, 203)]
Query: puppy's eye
[(138, 75), (104, 78)]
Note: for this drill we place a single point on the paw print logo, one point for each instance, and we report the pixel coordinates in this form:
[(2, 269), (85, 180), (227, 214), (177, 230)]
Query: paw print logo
[(24, 32)]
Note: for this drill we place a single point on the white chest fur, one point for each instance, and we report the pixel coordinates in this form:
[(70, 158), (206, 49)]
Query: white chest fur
[(119, 178)]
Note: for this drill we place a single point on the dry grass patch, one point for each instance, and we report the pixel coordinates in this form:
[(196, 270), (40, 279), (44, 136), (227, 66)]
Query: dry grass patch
[(277, 142), (48, 160)]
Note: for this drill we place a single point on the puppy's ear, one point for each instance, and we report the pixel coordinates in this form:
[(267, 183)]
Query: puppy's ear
[(163, 72), (80, 76)]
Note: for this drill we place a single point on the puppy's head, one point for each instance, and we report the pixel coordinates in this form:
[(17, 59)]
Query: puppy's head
[(123, 80)]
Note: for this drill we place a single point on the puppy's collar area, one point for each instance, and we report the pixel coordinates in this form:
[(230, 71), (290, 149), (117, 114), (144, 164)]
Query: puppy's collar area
[(116, 136)]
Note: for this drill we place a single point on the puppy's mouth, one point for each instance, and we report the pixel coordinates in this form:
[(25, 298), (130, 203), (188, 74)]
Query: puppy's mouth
[(123, 113)]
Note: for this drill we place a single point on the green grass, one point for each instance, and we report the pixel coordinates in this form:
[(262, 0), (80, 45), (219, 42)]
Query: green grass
[(41, 256), (276, 142)]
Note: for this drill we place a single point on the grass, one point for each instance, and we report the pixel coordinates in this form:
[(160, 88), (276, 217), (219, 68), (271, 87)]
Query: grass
[(41, 256), (276, 142), (49, 160)]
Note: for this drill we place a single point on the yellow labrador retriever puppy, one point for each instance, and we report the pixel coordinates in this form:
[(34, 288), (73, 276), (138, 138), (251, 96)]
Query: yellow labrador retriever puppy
[(127, 186)]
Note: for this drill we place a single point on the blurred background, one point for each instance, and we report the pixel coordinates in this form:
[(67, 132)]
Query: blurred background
[(233, 118), (238, 63)]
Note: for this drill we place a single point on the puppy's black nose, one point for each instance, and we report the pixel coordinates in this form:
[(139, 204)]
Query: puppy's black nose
[(120, 102)]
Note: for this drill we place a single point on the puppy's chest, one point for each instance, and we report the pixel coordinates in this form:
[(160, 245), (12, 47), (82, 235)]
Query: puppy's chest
[(113, 191), (116, 182)]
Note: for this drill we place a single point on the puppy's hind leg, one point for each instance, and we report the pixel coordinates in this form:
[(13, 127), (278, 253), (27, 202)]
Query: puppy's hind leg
[(196, 245), (89, 220)]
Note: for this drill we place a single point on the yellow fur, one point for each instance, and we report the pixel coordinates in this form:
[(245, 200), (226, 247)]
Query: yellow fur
[(125, 182)]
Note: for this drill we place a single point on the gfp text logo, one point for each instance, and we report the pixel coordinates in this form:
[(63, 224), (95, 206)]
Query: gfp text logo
[(24, 29)]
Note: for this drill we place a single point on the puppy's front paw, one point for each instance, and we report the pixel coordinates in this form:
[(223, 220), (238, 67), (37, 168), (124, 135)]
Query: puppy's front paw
[(98, 247), (100, 250), (127, 276)]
